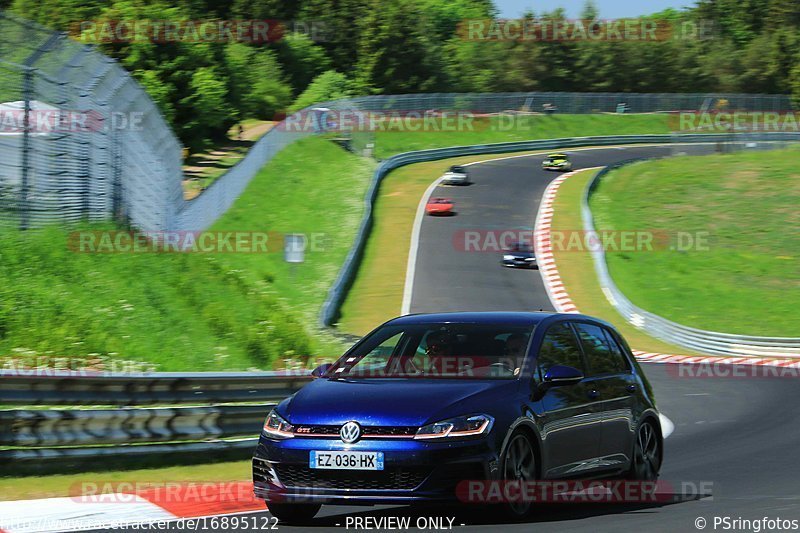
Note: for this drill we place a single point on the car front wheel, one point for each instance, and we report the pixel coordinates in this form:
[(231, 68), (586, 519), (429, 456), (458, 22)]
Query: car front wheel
[(519, 466)]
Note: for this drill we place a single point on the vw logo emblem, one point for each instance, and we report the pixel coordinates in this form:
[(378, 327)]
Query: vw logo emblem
[(350, 432)]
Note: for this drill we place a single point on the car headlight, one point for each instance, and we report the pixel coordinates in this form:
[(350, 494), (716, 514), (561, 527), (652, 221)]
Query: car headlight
[(276, 427), (508, 257), (453, 428), (530, 259)]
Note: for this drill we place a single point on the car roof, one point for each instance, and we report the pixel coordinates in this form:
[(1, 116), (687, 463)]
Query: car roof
[(489, 317), (557, 155)]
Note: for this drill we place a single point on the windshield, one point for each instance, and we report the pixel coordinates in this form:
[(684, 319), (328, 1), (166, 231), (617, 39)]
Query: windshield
[(438, 351), (520, 247)]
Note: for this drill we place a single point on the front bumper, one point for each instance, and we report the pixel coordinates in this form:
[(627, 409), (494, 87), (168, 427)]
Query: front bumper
[(415, 471)]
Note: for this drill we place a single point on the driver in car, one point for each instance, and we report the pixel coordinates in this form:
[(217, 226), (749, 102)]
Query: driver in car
[(514, 352), (439, 349)]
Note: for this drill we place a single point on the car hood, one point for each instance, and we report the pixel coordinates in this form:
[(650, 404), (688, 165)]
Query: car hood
[(392, 402)]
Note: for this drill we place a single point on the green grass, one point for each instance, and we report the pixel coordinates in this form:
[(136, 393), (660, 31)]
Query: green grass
[(190, 312), (578, 273), (312, 187), (61, 485), (525, 127), (747, 280)]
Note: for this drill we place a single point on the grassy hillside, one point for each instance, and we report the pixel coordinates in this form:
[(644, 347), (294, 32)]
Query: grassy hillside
[(521, 128), (190, 311), (746, 279)]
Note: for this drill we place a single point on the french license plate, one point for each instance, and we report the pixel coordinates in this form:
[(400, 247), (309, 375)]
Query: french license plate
[(346, 460)]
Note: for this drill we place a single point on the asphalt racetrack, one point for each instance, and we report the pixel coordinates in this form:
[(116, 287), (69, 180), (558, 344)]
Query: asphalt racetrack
[(736, 441)]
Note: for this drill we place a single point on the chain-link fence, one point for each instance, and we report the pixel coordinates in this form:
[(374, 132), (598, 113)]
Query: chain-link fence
[(576, 103), (81, 140)]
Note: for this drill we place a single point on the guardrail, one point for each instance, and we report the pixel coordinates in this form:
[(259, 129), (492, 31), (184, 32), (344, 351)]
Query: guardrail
[(711, 342), (163, 388), (209, 424), (330, 309)]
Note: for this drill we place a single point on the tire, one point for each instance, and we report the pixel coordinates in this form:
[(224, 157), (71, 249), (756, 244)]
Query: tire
[(518, 465), (646, 460), (293, 513)]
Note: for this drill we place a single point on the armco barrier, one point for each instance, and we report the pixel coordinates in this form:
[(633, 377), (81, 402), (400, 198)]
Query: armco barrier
[(93, 427), (338, 292), (165, 388), (211, 424), (711, 342)]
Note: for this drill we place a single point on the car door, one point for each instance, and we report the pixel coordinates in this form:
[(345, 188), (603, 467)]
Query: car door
[(570, 421), (608, 370)]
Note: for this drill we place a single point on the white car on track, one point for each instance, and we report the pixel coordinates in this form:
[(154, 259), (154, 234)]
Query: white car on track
[(456, 175)]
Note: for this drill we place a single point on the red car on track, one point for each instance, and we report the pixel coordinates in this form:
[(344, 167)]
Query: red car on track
[(440, 206)]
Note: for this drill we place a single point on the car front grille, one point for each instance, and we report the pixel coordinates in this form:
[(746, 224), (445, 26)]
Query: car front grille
[(368, 431), (301, 476)]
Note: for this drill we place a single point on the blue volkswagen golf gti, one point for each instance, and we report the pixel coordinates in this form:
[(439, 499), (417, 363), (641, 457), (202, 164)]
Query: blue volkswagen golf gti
[(427, 402)]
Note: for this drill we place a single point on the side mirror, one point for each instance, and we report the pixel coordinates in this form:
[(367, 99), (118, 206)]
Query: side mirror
[(320, 370), (557, 376), (563, 375)]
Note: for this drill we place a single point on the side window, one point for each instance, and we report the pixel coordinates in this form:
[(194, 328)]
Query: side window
[(602, 359), (617, 351), (559, 347)]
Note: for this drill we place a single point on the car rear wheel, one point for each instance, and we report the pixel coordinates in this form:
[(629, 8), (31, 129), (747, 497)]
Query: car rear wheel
[(293, 513), (646, 454), (519, 466)]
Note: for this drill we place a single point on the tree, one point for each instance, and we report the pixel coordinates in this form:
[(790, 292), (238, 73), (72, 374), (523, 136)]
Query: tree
[(257, 84), (302, 60), (590, 11), (331, 85), (394, 53), (207, 104)]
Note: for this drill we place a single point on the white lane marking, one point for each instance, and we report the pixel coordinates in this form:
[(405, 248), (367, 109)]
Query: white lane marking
[(698, 394), (667, 427), (411, 265)]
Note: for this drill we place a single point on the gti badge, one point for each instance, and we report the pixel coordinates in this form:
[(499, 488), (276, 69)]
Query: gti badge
[(350, 432)]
